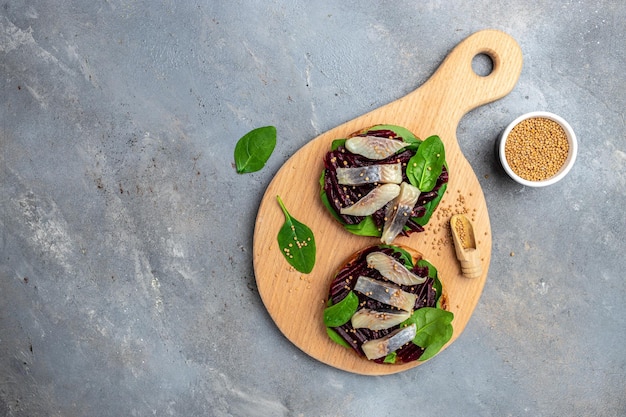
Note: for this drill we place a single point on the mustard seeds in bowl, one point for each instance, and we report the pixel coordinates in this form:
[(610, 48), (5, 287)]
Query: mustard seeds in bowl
[(537, 149)]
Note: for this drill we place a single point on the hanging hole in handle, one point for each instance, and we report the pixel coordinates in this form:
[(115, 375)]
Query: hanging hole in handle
[(482, 64)]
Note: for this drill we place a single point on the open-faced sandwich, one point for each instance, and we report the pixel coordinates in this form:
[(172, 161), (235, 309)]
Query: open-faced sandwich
[(386, 302), (383, 181)]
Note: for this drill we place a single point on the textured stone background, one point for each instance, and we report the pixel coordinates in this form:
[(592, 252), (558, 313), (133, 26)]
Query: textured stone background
[(126, 281)]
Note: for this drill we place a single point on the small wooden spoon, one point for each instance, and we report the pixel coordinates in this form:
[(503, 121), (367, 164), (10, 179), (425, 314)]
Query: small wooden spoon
[(465, 246)]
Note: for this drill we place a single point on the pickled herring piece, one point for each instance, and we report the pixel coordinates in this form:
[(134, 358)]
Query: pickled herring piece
[(385, 292), (374, 147), (379, 348), (384, 174), (392, 269), (399, 211), (378, 320), (373, 201)]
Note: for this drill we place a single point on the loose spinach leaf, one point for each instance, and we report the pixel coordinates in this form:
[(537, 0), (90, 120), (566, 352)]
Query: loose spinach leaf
[(254, 149), (425, 166), (334, 336), (338, 314), (434, 329), (296, 242), (391, 358)]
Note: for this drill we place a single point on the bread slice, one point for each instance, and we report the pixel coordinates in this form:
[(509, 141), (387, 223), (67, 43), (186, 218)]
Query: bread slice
[(347, 296), (338, 193)]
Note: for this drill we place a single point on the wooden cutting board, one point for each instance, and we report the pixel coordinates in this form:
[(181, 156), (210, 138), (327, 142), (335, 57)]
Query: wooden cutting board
[(295, 301)]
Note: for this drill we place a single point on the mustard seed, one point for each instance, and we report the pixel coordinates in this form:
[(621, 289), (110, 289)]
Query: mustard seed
[(536, 148)]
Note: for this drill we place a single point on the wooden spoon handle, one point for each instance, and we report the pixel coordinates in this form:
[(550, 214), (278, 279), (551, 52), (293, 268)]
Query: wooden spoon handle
[(470, 90)]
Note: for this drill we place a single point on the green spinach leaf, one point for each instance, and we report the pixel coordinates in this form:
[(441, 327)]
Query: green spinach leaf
[(391, 357), (334, 336), (432, 273), (338, 314), (434, 329), (296, 242), (365, 227), (403, 132), (432, 205), (337, 143), (435, 343), (425, 166), (254, 149), (325, 200)]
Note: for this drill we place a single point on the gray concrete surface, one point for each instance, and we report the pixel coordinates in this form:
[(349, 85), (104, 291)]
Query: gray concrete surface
[(126, 281)]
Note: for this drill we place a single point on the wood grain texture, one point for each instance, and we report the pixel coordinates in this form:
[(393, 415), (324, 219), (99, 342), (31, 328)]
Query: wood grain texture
[(295, 301)]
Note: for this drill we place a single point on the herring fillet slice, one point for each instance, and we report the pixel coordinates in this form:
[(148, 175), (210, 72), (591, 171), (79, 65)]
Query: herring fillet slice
[(385, 292), (378, 348), (392, 269), (373, 201), (399, 211), (378, 320), (374, 147), (384, 174)]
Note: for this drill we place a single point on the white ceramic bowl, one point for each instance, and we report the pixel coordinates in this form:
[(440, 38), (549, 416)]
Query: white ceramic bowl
[(569, 162)]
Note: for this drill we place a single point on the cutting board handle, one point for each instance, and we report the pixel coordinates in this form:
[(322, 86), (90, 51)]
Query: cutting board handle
[(458, 86)]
